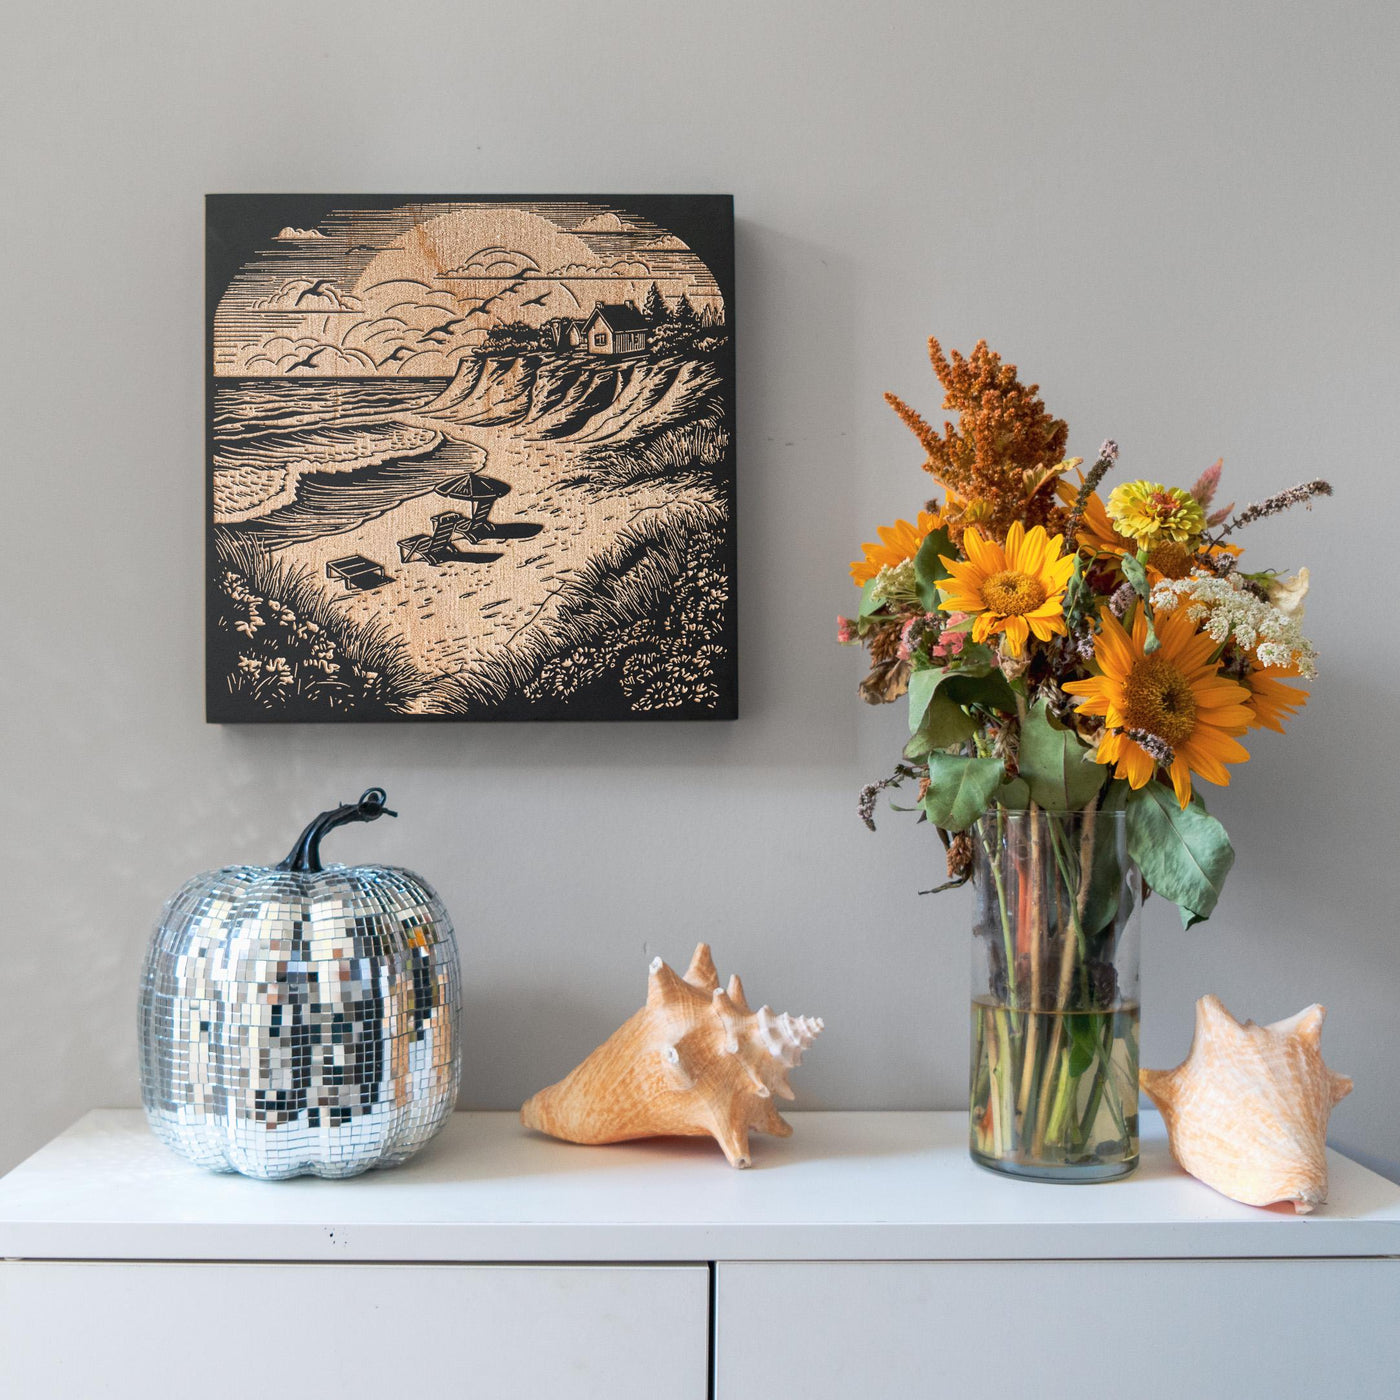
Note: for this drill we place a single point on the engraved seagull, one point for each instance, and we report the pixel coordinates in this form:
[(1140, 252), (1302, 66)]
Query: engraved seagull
[(314, 290), (306, 363)]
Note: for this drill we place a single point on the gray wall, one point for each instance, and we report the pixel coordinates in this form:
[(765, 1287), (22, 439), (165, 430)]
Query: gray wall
[(1179, 218)]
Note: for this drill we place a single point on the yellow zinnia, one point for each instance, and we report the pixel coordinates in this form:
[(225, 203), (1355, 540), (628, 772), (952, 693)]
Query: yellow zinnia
[(1170, 708), (901, 541), (1270, 701), (1016, 589), (1152, 514)]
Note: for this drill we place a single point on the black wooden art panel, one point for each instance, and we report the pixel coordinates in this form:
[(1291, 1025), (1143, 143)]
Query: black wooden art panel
[(471, 457)]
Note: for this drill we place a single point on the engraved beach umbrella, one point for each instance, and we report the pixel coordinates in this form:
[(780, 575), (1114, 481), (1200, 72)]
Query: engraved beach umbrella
[(471, 488)]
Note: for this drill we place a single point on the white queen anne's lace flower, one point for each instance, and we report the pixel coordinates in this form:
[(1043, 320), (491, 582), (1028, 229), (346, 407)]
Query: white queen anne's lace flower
[(1228, 610), (893, 582)]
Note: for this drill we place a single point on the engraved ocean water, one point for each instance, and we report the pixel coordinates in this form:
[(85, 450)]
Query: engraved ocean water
[(275, 440)]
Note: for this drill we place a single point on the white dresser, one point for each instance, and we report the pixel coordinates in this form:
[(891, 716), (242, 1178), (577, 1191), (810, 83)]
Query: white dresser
[(864, 1257)]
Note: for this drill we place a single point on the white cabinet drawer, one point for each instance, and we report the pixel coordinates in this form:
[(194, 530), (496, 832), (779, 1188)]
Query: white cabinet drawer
[(152, 1331), (1164, 1329)]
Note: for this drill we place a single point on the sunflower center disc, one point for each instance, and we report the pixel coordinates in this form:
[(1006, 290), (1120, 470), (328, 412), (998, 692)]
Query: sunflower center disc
[(1012, 593), (1172, 560), (1158, 698)]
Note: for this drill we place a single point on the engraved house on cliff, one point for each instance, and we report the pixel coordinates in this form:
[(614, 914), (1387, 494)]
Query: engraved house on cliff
[(615, 329)]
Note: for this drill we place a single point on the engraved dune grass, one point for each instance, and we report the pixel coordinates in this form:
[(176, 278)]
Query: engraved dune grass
[(672, 454), (372, 666), (619, 588)]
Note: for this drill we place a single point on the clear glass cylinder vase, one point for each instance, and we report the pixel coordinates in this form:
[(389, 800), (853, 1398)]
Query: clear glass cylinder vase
[(1056, 930)]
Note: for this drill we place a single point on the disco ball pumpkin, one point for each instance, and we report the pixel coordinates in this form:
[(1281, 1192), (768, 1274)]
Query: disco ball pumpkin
[(301, 1020)]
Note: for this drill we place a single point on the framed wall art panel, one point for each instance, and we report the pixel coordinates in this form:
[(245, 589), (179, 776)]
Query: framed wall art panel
[(470, 457)]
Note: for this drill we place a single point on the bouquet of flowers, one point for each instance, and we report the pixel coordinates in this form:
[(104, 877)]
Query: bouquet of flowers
[(1067, 653)]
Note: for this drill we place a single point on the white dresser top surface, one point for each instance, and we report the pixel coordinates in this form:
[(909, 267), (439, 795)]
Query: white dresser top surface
[(870, 1185)]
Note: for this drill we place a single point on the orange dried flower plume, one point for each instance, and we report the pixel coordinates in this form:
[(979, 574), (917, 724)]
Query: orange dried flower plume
[(1002, 460)]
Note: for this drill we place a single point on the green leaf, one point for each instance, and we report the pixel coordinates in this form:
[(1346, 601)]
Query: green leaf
[(1106, 892), (1058, 767), (975, 658), (960, 789), (1115, 796), (929, 569), (1106, 895), (1183, 853), (1077, 595), (1136, 574), (1015, 796), (944, 724), (869, 604), (936, 700), (923, 685), (1084, 1042), (991, 690)]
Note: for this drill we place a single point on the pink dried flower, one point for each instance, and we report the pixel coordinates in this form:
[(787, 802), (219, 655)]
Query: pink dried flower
[(950, 643), (1204, 489), (912, 633), (845, 631)]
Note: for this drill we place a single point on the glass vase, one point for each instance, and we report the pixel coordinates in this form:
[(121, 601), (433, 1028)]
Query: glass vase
[(1055, 943)]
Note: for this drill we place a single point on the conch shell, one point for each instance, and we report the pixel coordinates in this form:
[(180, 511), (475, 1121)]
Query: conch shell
[(1247, 1110), (695, 1060)]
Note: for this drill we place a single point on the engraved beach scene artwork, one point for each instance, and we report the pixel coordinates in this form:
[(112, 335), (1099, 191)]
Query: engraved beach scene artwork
[(470, 458)]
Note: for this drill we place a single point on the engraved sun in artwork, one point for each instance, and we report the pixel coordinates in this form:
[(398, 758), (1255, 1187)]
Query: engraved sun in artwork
[(471, 459)]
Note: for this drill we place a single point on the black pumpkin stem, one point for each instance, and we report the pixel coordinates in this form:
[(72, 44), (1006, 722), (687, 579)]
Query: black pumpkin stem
[(305, 856)]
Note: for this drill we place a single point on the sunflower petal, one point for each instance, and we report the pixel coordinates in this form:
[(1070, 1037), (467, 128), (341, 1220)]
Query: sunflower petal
[(984, 555), (1137, 765), (1113, 647), (958, 602), (1016, 630), (1181, 781)]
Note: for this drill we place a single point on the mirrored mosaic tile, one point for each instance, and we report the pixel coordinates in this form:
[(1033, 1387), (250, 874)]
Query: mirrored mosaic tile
[(296, 1023)]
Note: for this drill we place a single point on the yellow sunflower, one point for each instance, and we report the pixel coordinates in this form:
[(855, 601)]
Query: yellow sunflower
[(1169, 708), (1270, 701), (900, 541), (1017, 589)]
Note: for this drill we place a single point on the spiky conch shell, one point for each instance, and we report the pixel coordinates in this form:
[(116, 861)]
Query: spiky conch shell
[(1247, 1110), (695, 1061)]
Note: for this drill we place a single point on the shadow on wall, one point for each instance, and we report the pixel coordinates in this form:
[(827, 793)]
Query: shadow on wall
[(795, 527)]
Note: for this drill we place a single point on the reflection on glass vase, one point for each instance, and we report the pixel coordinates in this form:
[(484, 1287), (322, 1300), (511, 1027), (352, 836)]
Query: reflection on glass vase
[(1055, 995)]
